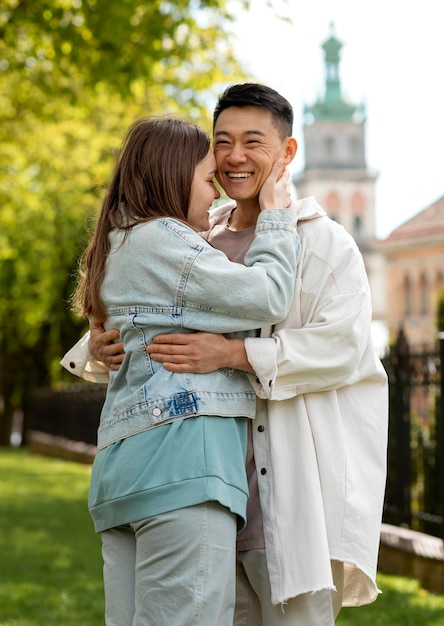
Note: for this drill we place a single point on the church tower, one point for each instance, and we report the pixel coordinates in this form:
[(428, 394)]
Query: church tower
[(335, 171), (335, 168)]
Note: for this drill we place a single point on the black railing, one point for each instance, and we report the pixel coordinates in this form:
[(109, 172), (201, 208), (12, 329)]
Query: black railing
[(72, 412), (415, 484)]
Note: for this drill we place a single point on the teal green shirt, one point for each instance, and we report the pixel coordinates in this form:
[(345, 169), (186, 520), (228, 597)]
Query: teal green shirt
[(170, 467)]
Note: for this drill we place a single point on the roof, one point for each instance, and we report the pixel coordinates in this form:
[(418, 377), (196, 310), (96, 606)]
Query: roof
[(427, 223)]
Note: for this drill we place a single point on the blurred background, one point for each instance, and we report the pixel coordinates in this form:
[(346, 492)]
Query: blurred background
[(365, 81)]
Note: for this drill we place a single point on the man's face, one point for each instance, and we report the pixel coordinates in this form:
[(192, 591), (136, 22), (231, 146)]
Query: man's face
[(246, 144)]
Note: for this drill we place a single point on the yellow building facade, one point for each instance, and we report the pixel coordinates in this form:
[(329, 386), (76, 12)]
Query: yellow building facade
[(414, 270)]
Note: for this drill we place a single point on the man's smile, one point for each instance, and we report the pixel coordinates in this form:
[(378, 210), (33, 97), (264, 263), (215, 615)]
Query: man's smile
[(239, 174)]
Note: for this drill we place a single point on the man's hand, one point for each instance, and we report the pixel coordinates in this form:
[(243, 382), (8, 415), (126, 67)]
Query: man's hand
[(102, 347), (198, 352)]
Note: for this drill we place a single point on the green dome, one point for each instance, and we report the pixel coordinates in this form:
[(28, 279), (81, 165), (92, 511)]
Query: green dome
[(333, 107)]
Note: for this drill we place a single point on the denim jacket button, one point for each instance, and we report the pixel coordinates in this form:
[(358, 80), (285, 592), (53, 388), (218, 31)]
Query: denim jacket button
[(156, 412)]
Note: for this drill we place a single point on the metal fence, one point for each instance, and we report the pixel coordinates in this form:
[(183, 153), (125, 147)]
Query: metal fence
[(72, 413), (415, 484)]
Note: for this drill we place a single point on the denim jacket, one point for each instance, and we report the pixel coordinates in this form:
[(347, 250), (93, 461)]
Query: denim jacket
[(165, 278)]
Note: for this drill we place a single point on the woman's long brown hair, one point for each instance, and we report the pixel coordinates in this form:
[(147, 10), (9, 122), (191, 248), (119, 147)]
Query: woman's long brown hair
[(152, 178)]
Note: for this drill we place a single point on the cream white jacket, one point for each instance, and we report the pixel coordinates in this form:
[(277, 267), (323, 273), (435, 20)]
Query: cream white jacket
[(320, 435)]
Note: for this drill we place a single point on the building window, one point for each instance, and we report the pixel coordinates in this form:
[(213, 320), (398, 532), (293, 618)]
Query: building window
[(332, 202), (333, 206), (357, 202), (329, 147), (357, 225), (354, 147), (424, 295), (407, 296)]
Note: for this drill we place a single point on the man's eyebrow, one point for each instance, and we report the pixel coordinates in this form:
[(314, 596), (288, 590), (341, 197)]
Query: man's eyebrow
[(247, 133)]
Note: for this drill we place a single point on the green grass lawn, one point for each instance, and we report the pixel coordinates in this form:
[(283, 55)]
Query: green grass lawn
[(50, 560), (51, 567), (402, 603)]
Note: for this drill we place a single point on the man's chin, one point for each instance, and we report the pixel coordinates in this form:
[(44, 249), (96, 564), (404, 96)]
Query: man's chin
[(239, 191)]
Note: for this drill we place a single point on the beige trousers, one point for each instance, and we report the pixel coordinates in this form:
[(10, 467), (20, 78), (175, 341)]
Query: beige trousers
[(253, 597)]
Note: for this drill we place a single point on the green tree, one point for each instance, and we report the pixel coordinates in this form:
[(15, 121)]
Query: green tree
[(156, 52), (73, 75)]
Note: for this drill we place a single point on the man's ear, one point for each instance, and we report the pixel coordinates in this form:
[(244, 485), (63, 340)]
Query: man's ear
[(290, 147)]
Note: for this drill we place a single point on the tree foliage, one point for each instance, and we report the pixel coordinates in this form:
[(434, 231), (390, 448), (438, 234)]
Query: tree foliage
[(73, 75), (144, 50)]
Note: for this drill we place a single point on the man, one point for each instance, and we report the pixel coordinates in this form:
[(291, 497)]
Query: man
[(316, 464)]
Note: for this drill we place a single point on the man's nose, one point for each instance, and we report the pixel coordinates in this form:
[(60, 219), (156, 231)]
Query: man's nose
[(237, 154)]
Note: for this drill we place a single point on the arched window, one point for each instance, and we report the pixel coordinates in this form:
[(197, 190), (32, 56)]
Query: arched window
[(357, 203), (407, 295), (332, 202), (333, 206), (357, 225), (424, 295)]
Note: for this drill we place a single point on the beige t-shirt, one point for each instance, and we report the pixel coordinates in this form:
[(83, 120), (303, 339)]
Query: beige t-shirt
[(235, 244)]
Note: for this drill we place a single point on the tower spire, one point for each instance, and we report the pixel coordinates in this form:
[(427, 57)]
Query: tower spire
[(333, 107), (332, 47)]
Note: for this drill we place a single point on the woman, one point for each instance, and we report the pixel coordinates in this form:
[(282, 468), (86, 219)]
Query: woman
[(168, 487)]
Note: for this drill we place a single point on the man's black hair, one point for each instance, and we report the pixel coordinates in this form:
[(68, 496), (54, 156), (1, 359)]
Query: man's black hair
[(252, 94)]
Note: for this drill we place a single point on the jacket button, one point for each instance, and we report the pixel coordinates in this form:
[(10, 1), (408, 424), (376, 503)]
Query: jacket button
[(156, 412), (72, 365), (263, 471), (261, 428)]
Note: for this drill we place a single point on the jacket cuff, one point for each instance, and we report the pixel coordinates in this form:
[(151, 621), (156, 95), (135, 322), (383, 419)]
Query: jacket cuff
[(80, 362), (261, 354), (277, 219)]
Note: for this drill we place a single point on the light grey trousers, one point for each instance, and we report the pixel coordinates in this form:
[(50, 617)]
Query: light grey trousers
[(253, 598), (174, 569)]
